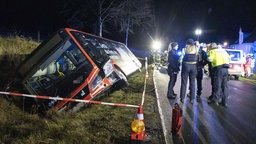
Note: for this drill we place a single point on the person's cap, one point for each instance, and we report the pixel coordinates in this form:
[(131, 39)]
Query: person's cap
[(190, 42), (213, 45), (174, 44)]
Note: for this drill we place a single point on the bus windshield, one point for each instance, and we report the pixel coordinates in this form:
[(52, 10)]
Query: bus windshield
[(67, 65), (91, 47)]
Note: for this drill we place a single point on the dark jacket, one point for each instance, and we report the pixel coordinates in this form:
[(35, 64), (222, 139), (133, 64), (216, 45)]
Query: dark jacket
[(173, 60), (202, 59)]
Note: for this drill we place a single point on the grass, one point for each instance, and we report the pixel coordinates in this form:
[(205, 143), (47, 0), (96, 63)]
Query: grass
[(13, 51), (12, 46), (251, 79), (97, 124)]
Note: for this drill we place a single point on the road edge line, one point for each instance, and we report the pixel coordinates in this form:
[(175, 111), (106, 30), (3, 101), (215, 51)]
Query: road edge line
[(160, 110)]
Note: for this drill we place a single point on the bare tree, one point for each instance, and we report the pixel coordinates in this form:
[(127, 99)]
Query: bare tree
[(103, 14), (77, 14), (83, 13), (125, 14), (129, 13)]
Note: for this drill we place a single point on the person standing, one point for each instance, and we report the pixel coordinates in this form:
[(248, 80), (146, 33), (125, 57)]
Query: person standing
[(247, 66), (220, 60), (173, 68), (188, 70), (210, 70), (157, 58), (201, 62)]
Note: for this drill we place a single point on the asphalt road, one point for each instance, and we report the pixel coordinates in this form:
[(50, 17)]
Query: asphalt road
[(210, 124)]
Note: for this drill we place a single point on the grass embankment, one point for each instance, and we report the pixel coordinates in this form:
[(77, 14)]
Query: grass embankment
[(251, 79), (98, 124), (12, 51), (12, 47)]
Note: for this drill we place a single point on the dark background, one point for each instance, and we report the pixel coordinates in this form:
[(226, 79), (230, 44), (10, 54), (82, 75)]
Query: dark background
[(219, 20), (175, 20)]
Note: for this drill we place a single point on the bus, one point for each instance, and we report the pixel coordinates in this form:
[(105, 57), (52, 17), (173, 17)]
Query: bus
[(76, 65)]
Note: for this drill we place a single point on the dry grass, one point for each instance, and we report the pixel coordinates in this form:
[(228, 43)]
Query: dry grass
[(12, 46), (17, 45)]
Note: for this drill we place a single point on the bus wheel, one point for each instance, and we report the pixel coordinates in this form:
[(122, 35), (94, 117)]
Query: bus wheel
[(123, 78), (123, 82), (236, 77)]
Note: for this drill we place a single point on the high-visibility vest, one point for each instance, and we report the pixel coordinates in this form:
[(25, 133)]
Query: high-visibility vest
[(218, 57)]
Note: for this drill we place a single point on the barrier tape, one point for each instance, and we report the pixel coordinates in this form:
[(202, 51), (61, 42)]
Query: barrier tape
[(83, 101), (146, 67), (145, 82), (68, 99)]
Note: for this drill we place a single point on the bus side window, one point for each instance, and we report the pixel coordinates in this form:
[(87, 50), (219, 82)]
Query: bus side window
[(72, 58)]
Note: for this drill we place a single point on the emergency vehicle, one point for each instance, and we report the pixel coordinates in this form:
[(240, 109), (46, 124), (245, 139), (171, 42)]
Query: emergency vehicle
[(237, 61)]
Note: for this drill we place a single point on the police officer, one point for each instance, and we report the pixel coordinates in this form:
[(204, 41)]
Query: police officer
[(201, 62), (220, 60), (173, 68), (210, 70), (188, 70)]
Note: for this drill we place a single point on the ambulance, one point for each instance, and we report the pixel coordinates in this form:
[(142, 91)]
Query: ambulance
[(236, 68)]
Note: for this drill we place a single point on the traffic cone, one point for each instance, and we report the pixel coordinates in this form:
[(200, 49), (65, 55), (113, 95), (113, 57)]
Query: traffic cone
[(140, 136)]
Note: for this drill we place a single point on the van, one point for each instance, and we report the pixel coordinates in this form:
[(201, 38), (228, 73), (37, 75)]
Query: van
[(237, 61), (76, 65)]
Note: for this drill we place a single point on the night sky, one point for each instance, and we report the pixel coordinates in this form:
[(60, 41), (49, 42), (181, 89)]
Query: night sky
[(176, 20), (219, 19)]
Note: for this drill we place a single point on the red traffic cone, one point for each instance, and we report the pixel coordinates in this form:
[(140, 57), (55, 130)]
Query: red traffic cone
[(139, 135)]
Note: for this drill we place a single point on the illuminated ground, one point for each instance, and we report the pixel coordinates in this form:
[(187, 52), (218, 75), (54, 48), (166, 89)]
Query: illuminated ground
[(203, 123)]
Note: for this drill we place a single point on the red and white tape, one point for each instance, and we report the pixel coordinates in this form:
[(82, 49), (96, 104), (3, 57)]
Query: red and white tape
[(67, 99), (145, 82), (146, 67)]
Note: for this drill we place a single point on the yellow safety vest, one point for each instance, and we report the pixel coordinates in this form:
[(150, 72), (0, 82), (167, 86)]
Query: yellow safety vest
[(218, 57)]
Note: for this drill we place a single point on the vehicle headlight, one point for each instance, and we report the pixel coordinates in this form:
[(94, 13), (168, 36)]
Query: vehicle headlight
[(108, 68), (96, 81)]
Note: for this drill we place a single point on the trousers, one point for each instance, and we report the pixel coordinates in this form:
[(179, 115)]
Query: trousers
[(199, 78), (172, 81), (220, 85), (188, 71)]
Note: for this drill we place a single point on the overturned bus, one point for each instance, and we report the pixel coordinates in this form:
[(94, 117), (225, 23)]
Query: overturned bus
[(76, 65)]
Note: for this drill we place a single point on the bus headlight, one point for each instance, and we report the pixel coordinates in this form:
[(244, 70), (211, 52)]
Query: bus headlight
[(96, 81), (108, 68)]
